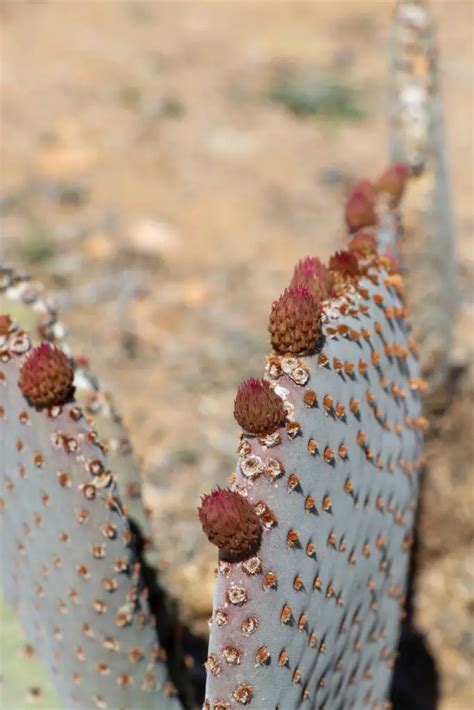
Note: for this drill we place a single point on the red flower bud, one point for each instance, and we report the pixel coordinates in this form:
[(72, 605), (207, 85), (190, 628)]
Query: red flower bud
[(295, 321), (315, 276), (46, 376), (229, 520), (360, 205), (257, 408), (344, 263), (364, 243), (393, 181)]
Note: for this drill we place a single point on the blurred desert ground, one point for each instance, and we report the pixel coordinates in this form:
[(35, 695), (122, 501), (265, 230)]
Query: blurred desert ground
[(163, 165)]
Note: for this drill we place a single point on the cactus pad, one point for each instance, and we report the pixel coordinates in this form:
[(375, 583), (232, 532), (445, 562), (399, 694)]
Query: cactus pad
[(69, 562), (311, 618)]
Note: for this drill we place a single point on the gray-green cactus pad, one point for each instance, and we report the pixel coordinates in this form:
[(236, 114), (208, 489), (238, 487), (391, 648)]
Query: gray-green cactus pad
[(312, 619), (68, 565)]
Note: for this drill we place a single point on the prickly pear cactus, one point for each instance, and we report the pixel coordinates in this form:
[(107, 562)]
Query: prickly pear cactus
[(417, 137), (32, 311), (306, 609), (69, 564), (26, 303)]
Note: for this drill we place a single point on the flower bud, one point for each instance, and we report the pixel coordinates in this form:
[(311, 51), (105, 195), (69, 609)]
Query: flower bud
[(360, 207), (229, 520), (315, 276), (46, 376), (295, 321), (257, 408), (344, 263)]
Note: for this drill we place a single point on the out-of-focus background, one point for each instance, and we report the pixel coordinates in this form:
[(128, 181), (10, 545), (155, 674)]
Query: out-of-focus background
[(163, 164)]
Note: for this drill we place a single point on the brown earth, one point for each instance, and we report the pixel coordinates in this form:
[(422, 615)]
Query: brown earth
[(149, 180)]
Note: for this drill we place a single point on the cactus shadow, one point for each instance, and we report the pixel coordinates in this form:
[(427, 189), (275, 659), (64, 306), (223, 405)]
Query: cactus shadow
[(177, 639), (415, 682)]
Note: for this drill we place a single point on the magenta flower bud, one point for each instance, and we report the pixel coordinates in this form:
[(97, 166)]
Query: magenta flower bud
[(363, 243), (257, 408), (344, 264), (360, 206), (229, 520), (315, 276), (46, 376), (295, 321)]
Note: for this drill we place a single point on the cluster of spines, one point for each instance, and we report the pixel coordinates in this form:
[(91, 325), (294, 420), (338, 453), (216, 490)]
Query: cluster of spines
[(324, 300)]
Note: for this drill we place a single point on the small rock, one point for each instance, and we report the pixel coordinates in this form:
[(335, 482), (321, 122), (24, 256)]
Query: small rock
[(99, 247), (153, 237)]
